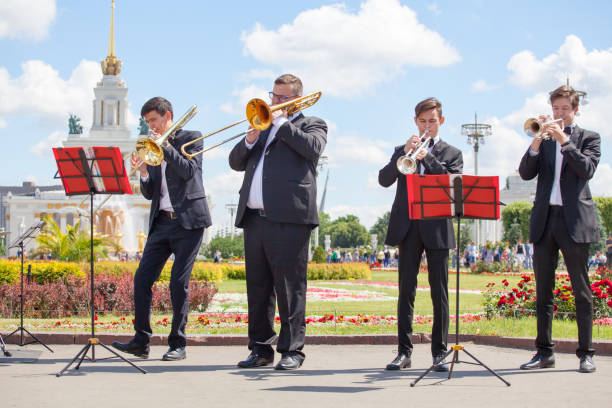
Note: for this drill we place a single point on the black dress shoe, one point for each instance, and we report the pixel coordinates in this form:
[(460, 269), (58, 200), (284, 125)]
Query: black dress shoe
[(587, 365), (132, 347), (289, 362), (174, 354), (539, 361), (401, 361), (256, 360), (439, 365)]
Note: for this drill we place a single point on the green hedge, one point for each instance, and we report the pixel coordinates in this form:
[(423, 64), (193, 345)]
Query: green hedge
[(52, 271), (42, 271)]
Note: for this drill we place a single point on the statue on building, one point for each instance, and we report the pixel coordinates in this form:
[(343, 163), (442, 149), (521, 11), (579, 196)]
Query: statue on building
[(141, 240), (143, 128), (74, 125)]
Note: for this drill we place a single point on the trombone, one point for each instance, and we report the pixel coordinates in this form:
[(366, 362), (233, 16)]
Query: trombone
[(407, 163), (533, 128), (259, 116), (150, 151)]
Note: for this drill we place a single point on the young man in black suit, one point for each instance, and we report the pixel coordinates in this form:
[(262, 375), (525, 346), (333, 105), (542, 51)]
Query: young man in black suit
[(277, 210), (563, 218), (435, 237), (179, 214)]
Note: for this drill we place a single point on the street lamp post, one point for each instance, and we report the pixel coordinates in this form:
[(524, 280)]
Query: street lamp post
[(476, 133)]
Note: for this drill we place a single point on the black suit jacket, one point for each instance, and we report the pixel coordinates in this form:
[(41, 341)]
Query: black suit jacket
[(289, 170), (436, 234), (184, 180), (580, 160)]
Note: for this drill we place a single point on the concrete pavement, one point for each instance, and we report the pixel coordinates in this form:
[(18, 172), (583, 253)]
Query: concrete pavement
[(332, 376)]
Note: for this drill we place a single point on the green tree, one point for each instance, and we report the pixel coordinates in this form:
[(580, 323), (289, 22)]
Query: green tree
[(229, 246), (466, 233), (74, 245), (380, 226), (601, 244), (517, 212), (347, 232), (605, 209), (319, 255)]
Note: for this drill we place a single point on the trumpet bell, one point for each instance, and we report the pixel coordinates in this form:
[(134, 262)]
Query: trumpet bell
[(149, 151), (406, 165), (533, 127)]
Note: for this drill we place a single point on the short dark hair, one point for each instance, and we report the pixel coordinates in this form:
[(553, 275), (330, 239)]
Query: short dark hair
[(565, 91), (158, 104), (292, 80), (428, 104)]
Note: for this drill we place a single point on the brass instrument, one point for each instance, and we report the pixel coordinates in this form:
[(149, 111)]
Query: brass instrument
[(407, 163), (533, 127), (150, 151), (259, 116)]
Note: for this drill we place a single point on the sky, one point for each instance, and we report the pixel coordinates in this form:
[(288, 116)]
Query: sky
[(373, 61)]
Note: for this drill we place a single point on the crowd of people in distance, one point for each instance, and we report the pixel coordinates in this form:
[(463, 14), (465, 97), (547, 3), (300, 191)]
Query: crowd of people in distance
[(384, 256)]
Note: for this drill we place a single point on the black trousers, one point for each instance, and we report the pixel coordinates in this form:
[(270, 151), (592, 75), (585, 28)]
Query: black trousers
[(545, 258), (276, 256), (410, 253), (167, 237)]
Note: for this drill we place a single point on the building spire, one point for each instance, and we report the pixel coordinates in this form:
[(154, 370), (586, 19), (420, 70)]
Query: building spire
[(111, 65)]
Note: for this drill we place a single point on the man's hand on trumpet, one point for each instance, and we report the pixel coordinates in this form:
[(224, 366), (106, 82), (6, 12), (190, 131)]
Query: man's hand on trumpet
[(137, 163), (412, 144), (555, 131)]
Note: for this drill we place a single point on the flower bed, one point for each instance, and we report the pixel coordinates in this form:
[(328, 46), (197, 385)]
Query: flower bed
[(521, 300)]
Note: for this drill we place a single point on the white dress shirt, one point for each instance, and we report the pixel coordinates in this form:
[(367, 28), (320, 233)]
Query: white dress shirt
[(255, 199), (555, 193), (164, 200)]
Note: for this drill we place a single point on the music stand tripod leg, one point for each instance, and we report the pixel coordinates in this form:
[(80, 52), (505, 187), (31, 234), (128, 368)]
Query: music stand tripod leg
[(36, 340), (412, 384), (485, 366), (80, 354)]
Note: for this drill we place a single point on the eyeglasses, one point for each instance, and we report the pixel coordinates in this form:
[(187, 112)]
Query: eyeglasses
[(272, 95)]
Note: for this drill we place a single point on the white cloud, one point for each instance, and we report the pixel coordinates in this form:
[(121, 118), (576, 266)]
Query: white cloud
[(29, 19), (40, 91), (43, 147), (367, 214), (602, 180), (227, 183), (2, 123), (434, 8), (346, 53), (244, 95), (588, 70), (482, 86), (349, 150)]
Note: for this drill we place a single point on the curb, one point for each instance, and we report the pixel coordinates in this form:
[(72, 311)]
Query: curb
[(602, 347)]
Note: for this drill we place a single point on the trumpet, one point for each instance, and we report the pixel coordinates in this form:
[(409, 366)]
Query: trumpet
[(150, 151), (259, 116), (533, 127), (407, 163)]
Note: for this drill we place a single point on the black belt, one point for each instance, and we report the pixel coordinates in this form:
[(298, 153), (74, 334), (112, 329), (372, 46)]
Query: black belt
[(255, 211), (169, 214)]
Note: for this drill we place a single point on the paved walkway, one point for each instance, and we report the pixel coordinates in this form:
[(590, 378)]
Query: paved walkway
[(332, 376)]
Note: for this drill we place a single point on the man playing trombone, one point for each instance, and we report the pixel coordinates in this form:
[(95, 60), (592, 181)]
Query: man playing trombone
[(563, 157), (277, 210), (179, 214), (428, 155)]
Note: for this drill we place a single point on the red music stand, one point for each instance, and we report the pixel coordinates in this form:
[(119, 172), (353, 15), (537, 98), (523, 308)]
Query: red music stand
[(454, 196), (92, 170)]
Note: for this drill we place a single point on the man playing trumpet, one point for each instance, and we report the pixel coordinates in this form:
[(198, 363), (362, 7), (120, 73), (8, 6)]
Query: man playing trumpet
[(435, 237), (563, 218)]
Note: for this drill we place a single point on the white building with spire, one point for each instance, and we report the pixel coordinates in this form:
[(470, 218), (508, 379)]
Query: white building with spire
[(123, 218)]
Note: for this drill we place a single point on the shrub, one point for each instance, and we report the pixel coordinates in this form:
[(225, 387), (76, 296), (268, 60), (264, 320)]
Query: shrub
[(319, 255), (112, 294), (42, 271)]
